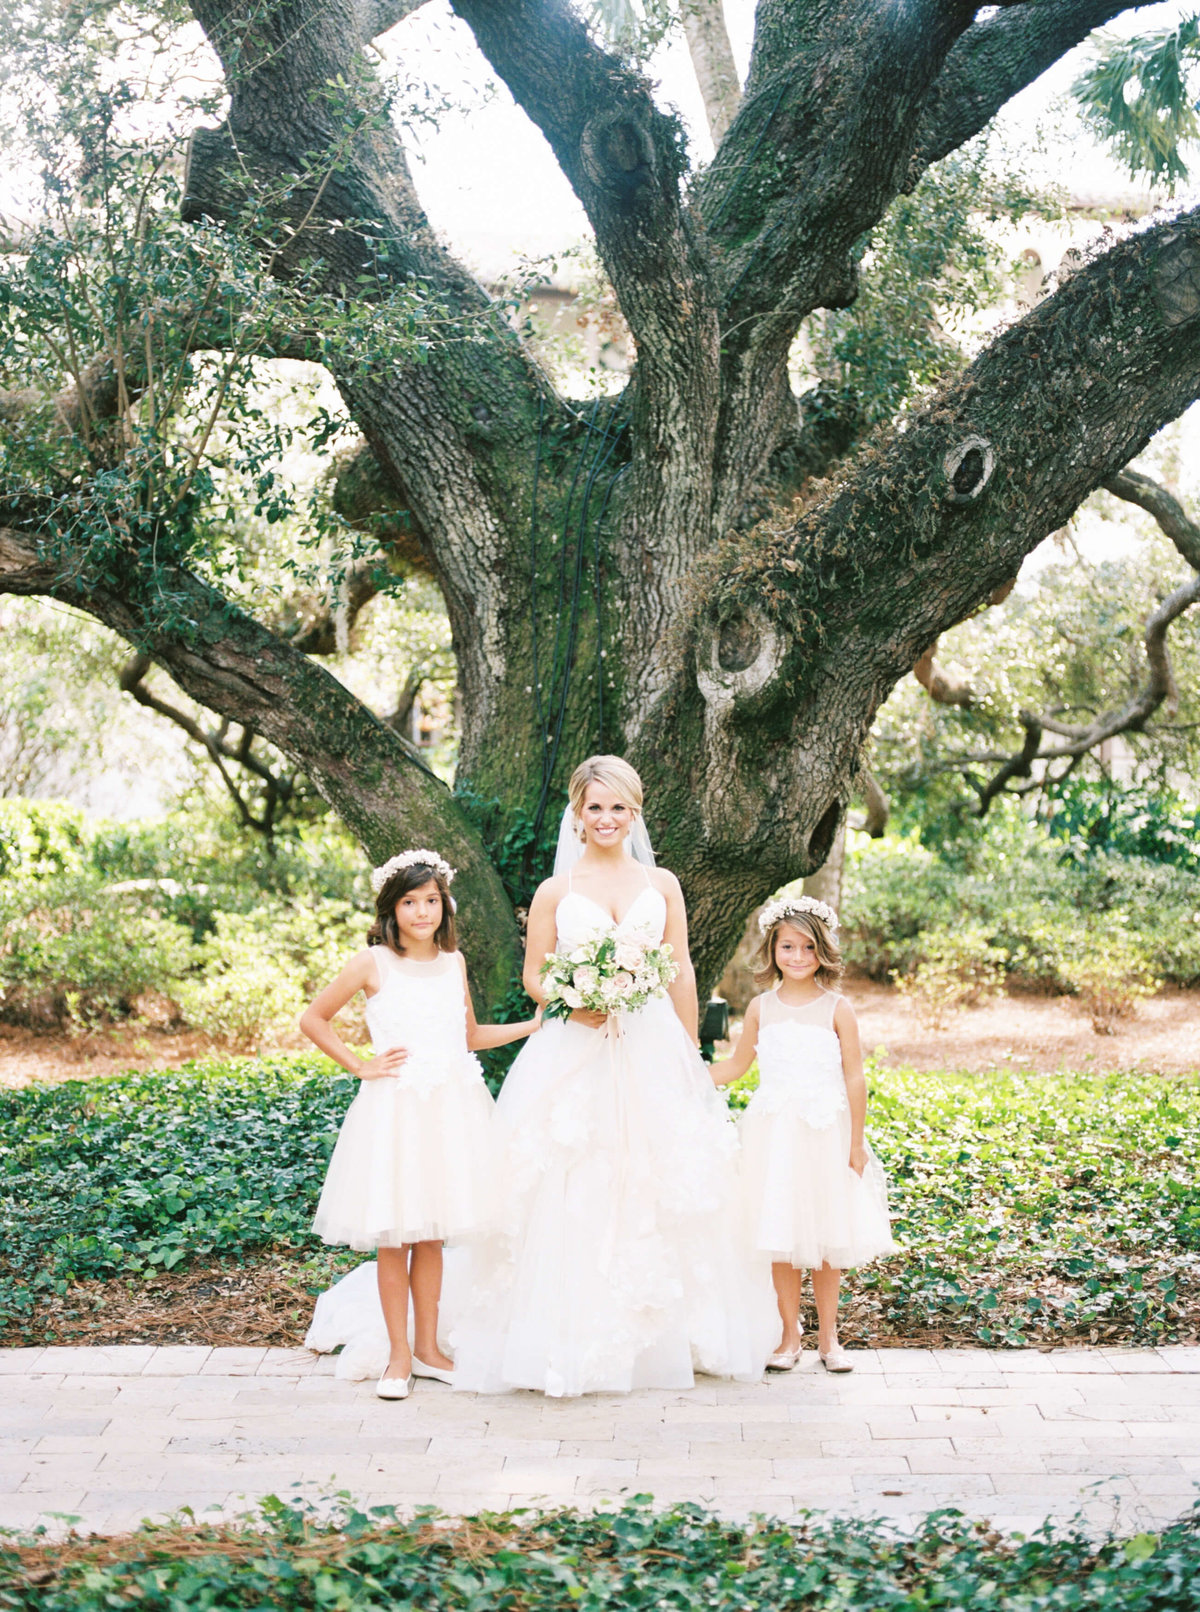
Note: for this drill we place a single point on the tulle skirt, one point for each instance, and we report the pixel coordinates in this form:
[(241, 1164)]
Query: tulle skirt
[(413, 1163), (618, 1258), (804, 1205)]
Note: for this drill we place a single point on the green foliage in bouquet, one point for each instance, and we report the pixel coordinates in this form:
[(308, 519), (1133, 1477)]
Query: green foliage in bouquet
[(608, 974)]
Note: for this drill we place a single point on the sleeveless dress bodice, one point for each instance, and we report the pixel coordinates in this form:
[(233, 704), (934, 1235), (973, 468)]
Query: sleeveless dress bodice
[(579, 919), (420, 1006), (800, 1059)]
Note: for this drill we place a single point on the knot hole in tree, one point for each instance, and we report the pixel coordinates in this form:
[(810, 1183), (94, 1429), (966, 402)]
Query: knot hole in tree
[(968, 469), (618, 154), (820, 841), (737, 644), (737, 657)]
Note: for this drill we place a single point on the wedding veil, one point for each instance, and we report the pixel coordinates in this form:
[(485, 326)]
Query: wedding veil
[(570, 846)]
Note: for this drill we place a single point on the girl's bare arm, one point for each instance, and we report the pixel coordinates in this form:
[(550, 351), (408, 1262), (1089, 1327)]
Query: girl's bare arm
[(726, 1070), (846, 1026), (316, 1021), (480, 1036)]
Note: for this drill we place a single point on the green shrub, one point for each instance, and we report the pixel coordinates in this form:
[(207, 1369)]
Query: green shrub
[(1110, 976), (74, 953), (1029, 1208), (609, 1560), (1090, 815), (1029, 898), (255, 973), (958, 968), (40, 837), (133, 1172)]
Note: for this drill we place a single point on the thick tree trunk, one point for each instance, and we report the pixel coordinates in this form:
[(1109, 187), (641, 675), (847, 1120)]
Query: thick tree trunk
[(598, 593)]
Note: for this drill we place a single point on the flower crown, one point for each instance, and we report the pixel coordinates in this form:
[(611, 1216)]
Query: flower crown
[(789, 906), (410, 859)]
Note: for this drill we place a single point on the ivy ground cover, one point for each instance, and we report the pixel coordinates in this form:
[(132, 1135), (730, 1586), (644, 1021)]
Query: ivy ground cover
[(634, 1558), (1031, 1209)]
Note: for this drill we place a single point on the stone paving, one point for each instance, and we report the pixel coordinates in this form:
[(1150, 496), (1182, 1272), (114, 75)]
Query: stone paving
[(111, 1436)]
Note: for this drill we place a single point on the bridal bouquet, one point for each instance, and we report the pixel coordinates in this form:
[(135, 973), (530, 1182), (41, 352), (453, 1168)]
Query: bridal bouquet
[(610, 974)]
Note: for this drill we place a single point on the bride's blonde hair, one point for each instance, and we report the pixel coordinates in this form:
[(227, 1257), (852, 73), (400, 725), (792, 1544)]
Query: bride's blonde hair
[(613, 773)]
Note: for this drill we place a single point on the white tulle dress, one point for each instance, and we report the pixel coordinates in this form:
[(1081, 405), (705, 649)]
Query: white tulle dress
[(805, 1206), (413, 1159), (619, 1259)]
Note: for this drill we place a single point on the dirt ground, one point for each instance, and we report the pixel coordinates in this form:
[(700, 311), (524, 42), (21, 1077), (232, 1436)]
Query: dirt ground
[(1042, 1033)]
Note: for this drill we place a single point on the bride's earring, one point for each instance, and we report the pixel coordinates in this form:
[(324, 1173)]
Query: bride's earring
[(580, 831)]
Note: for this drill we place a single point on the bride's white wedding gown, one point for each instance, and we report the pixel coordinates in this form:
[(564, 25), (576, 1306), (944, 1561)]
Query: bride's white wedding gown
[(619, 1258)]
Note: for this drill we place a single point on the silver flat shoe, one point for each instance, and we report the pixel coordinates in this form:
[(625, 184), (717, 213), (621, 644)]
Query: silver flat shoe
[(439, 1374), (784, 1360), (837, 1359), (394, 1387)]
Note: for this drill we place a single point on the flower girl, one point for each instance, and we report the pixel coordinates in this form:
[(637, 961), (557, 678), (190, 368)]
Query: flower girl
[(411, 1164), (815, 1192)]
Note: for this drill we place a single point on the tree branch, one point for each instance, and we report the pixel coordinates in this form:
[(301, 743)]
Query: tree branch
[(1159, 684), (817, 152), (230, 664), (795, 642), (624, 160), (712, 61), (277, 790), (1151, 496), (994, 60)]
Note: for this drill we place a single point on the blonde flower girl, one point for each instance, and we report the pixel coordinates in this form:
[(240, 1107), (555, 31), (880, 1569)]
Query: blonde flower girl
[(815, 1193), (413, 1158)]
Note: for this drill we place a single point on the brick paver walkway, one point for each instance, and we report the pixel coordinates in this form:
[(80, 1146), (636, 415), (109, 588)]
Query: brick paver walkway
[(115, 1435)]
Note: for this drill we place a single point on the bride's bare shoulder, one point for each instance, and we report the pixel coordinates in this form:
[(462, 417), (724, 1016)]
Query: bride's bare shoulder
[(548, 894), (665, 881)]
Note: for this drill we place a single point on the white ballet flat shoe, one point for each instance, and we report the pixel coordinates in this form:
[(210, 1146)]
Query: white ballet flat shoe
[(394, 1387), (785, 1359), (439, 1374), (836, 1359)]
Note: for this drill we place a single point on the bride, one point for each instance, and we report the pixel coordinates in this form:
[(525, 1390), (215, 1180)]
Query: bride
[(617, 1260)]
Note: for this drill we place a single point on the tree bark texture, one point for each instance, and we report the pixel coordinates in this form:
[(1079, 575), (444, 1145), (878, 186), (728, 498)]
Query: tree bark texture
[(600, 591)]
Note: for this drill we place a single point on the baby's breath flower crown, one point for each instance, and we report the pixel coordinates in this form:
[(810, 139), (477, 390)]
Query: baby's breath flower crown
[(792, 906), (410, 859)]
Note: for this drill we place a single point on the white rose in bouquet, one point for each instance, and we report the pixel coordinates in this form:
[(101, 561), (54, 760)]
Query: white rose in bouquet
[(608, 974)]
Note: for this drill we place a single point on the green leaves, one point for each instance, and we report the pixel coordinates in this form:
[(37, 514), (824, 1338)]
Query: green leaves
[(135, 1172), (634, 1559), (1138, 97)]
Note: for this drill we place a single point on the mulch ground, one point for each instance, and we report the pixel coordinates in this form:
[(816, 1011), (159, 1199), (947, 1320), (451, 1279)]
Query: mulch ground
[(267, 1303), (270, 1303)]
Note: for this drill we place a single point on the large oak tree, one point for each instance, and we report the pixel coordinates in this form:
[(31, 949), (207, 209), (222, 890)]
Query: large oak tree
[(607, 581)]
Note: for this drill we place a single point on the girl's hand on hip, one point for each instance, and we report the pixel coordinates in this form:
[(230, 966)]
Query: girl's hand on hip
[(858, 1158), (593, 1020), (383, 1064)]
